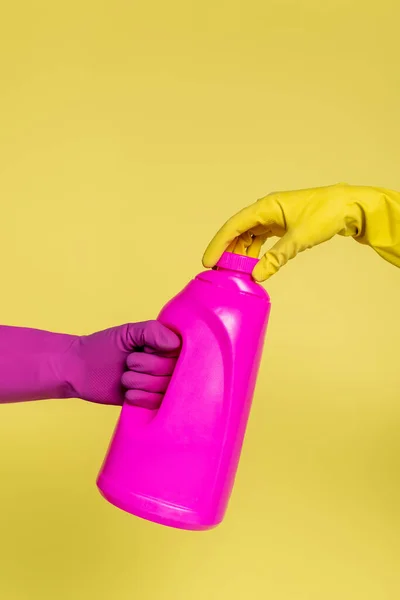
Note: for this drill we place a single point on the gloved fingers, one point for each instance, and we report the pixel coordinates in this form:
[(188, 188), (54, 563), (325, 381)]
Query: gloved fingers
[(165, 354), (131, 380), (151, 364), (232, 245), (265, 212), (286, 248), (258, 241), (296, 240), (250, 243), (243, 242), (270, 230), (278, 210), (143, 399), (152, 335)]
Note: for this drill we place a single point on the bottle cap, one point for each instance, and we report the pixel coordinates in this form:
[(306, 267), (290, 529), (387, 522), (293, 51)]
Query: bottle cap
[(237, 262)]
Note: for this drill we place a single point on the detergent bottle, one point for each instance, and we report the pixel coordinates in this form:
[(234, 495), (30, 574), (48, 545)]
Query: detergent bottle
[(176, 465)]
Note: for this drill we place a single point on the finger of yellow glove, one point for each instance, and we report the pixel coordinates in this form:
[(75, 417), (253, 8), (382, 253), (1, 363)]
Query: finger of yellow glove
[(317, 230), (232, 246), (231, 230), (254, 249), (286, 248), (268, 231), (244, 241), (265, 212)]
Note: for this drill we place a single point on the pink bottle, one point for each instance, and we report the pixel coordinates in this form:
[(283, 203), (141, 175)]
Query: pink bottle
[(176, 465)]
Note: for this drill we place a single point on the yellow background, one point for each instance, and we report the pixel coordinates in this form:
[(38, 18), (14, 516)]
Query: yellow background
[(128, 132)]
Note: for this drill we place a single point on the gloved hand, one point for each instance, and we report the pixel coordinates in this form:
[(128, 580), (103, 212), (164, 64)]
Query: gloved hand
[(305, 218), (131, 362)]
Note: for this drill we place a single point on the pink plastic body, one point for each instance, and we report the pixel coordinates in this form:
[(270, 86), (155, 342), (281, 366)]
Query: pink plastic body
[(176, 465)]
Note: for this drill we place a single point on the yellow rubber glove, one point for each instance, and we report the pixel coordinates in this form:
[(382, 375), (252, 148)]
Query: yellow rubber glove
[(304, 218)]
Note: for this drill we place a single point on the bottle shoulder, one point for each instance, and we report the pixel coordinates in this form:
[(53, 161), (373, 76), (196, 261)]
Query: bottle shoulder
[(233, 282)]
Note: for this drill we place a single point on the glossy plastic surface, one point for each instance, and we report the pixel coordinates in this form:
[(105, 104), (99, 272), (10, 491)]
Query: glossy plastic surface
[(176, 466)]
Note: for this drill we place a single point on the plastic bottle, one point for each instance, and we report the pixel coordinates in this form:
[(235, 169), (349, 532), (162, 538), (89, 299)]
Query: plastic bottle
[(176, 465)]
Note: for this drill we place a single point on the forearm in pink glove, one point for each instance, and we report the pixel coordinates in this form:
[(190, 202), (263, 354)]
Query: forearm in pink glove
[(131, 362)]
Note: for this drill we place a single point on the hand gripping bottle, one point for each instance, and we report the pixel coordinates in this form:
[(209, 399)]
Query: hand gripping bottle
[(176, 465)]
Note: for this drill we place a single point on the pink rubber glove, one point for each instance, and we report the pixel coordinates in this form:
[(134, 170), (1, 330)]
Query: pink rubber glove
[(131, 362)]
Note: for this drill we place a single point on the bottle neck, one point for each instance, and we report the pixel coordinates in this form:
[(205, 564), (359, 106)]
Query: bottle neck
[(234, 272)]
